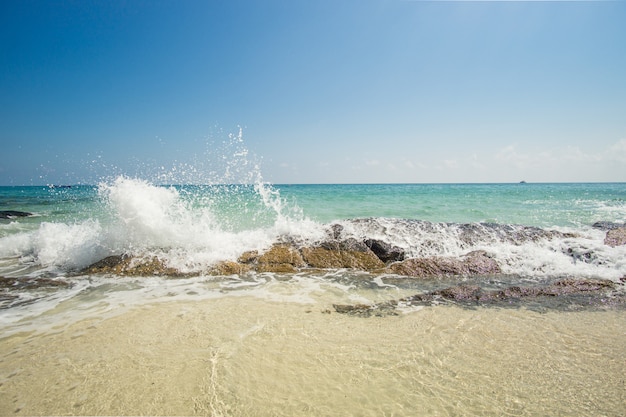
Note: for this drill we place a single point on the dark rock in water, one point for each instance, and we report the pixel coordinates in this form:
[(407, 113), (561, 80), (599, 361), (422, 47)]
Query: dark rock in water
[(385, 251), (473, 263), (566, 294), (12, 214), (616, 237), (387, 308), (603, 225), (32, 283)]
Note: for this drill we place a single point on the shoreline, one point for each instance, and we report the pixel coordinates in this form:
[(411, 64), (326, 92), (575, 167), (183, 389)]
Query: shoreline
[(249, 356)]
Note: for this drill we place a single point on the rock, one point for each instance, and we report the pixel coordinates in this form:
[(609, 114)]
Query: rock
[(229, 268), (281, 259), (473, 263), (387, 308), (12, 214), (350, 245), (248, 257), (131, 266), (385, 251), (563, 294), (32, 283), (604, 225), (324, 257), (427, 267), (481, 263), (616, 237)]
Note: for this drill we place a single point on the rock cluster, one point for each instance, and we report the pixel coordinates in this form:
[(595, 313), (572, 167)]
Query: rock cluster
[(370, 255)]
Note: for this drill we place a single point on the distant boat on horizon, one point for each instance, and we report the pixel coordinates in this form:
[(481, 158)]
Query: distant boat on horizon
[(522, 182)]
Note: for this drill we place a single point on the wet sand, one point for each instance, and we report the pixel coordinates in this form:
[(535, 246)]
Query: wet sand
[(245, 356)]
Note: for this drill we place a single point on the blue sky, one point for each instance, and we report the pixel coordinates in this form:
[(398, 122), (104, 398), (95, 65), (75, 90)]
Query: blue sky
[(323, 91)]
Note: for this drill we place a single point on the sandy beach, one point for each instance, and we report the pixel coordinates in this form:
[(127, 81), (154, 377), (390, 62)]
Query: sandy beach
[(247, 356)]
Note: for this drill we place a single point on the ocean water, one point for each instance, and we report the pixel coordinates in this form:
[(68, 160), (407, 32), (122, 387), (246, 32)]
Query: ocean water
[(271, 344)]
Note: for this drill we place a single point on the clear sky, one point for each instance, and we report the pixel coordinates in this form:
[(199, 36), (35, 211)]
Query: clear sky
[(324, 91)]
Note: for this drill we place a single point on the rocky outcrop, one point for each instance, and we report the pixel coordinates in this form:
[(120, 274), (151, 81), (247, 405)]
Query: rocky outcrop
[(616, 236), (332, 254), (567, 293), (473, 263)]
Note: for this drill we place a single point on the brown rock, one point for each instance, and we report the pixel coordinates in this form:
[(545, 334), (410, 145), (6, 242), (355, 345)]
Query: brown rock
[(616, 237), (130, 266), (229, 268), (480, 263), (474, 263), (281, 259), (248, 257), (323, 257)]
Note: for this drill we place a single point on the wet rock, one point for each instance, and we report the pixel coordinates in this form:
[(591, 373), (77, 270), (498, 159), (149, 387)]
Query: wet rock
[(229, 268), (473, 294), (616, 237), (131, 266), (567, 294), (387, 308), (385, 251), (248, 257), (350, 245), (473, 263), (12, 214), (341, 255), (281, 259), (32, 283), (481, 263), (604, 225)]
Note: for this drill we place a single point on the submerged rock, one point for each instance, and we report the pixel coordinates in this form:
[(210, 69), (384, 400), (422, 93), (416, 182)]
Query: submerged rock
[(12, 214), (473, 263), (32, 283), (567, 293)]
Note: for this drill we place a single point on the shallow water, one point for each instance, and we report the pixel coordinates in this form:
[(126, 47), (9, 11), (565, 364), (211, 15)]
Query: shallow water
[(249, 356)]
